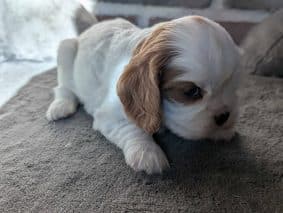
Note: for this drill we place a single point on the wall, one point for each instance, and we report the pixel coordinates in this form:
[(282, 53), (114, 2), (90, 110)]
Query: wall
[(237, 16)]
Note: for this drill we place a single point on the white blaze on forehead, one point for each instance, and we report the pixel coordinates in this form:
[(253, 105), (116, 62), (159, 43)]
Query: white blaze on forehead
[(206, 53)]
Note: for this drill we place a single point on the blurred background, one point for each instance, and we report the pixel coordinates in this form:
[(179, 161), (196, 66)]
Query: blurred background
[(237, 16), (30, 30)]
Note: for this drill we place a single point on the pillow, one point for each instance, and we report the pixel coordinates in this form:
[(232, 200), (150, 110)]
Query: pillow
[(263, 47)]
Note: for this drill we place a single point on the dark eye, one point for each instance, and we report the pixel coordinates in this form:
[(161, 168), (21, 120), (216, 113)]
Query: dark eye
[(193, 93)]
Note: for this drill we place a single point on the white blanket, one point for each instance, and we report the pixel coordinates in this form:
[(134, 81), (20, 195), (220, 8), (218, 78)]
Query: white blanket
[(30, 31)]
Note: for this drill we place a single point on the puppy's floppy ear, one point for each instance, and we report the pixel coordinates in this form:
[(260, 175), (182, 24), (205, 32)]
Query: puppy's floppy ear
[(138, 86)]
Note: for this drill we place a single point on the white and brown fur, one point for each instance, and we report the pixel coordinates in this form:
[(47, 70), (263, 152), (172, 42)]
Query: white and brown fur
[(133, 82)]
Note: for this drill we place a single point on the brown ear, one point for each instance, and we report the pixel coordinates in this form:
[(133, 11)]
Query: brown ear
[(138, 86)]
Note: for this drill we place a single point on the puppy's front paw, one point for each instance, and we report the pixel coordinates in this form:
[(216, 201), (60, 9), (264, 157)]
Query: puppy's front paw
[(146, 157), (60, 108)]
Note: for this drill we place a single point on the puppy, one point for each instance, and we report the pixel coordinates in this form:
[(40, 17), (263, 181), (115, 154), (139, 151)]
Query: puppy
[(180, 74)]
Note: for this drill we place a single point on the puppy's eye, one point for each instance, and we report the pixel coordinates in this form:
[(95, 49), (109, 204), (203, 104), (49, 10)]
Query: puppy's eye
[(193, 93)]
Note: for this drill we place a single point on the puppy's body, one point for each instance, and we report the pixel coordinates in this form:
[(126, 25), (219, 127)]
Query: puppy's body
[(129, 80), (102, 55)]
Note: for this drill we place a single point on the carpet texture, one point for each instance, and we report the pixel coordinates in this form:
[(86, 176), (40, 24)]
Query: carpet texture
[(68, 167)]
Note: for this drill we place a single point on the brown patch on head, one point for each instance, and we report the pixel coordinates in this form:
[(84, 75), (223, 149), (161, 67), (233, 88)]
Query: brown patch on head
[(169, 77), (178, 91), (138, 86), (199, 19)]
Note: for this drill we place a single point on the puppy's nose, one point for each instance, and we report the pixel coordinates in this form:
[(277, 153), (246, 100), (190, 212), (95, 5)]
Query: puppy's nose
[(222, 118)]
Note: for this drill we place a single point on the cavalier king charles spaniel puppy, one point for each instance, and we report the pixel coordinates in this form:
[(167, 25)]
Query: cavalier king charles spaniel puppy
[(180, 74)]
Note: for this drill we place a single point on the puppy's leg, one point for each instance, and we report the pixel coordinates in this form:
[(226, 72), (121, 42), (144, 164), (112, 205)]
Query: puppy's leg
[(65, 101), (140, 150)]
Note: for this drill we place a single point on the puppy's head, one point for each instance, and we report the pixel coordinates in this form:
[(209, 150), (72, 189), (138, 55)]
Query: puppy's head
[(184, 76)]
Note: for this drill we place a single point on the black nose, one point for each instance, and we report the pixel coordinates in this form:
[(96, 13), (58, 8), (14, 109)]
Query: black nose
[(222, 118)]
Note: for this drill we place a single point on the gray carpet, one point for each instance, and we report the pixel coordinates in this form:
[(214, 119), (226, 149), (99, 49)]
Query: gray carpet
[(68, 167)]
